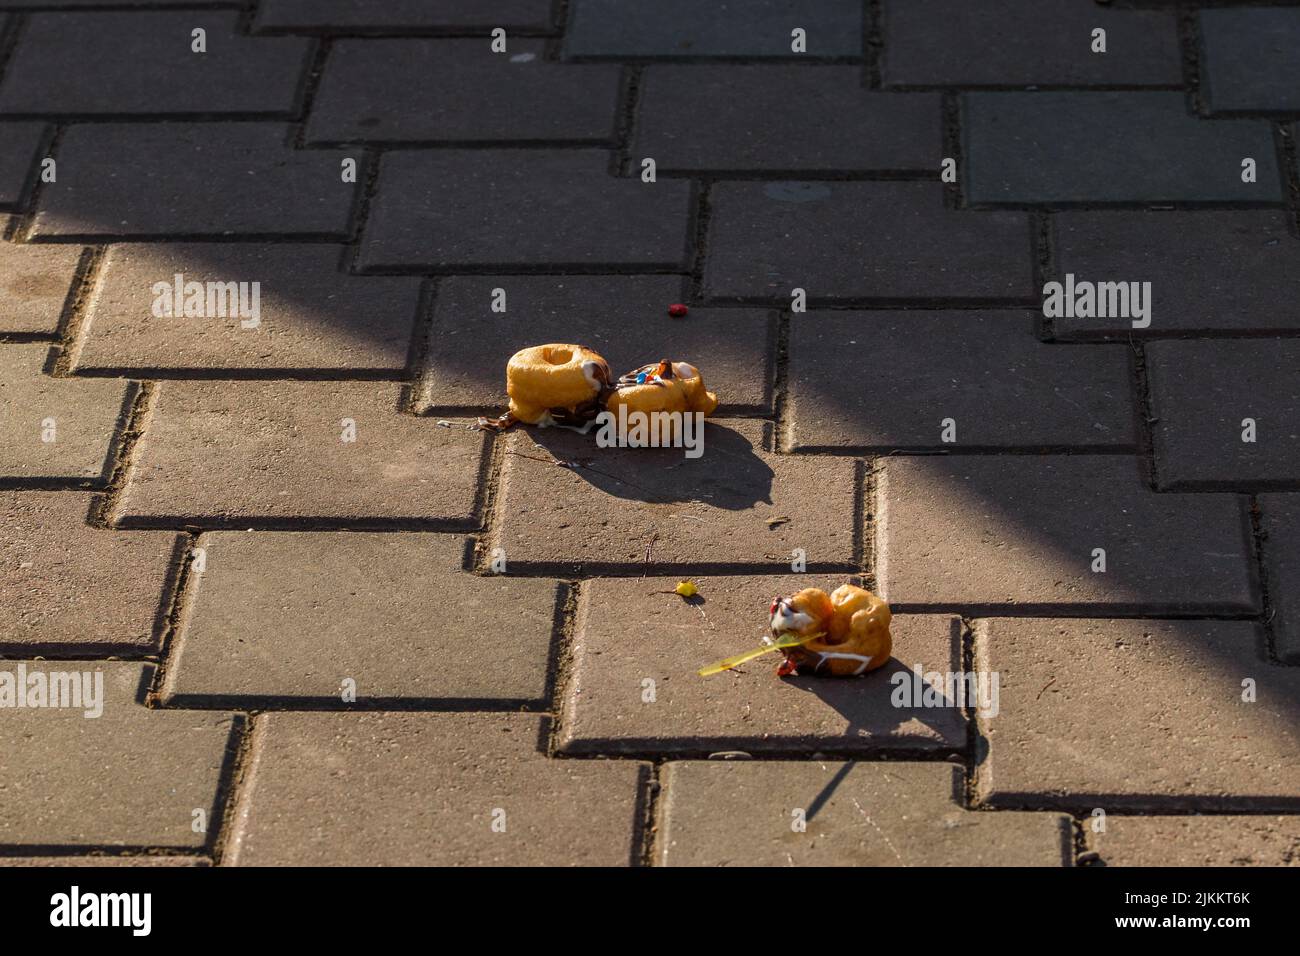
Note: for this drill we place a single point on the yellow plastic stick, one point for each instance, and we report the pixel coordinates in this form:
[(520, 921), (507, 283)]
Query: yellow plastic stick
[(745, 658)]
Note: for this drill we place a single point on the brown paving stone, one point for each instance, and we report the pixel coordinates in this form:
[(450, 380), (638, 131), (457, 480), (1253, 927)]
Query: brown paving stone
[(559, 208), (312, 315), (406, 789), (65, 583), (19, 146), (710, 510), (715, 117), (1019, 532), (1136, 714), (176, 180), (1197, 841), (130, 777), (413, 90), (884, 241), (741, 813), (35, 284), (292, 615), (360, 15), (84, 415), (633, 630), (1280, 522), (97, 861), (1210, 269), (624, 318), (250, 454), (985, 370), (1027, 42), (1202, 393), (84, 63)]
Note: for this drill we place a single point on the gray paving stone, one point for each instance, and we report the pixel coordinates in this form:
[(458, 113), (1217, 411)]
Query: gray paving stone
[(311, 315), (1094, 147), (1136, 715), (635, 629), (684, 28), (143, 62), (257, 454), (1248, 60), (71, 585), (656, 508), (537, 208), (1026, 42), (1210, 270), (404, 789), (130, 777), (379, 15), (1196, 840), (986, 371), (777, 117), (624, 318), (873, 240), (35, 283), (56, 429), (853, 814), (177, 180), (1201, 395), (20, 145), (1020, 533), (1280, 521), (276, 616), (414, 90)]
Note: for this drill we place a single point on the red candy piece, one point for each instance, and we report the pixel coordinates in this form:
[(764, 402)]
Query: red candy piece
[(677, 310)]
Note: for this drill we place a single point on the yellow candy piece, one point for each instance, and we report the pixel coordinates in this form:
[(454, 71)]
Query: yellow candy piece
[(687, 589), (737, 660)]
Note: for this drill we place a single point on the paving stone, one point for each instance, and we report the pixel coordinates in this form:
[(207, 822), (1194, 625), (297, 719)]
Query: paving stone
[(1109, 147), (404, 789), (1201, 395), (1027, 42), (46, 4), (414, 90), (1021, 532), (1248, 61), (128, 777), (20, 146), (187, 179), (624, 318), (1197, 841), (1280, 521), (143, 62), (1136, 715), (705, 117), (536, 208), (856, 814), (98, 861), (56, 429), (67, 583), (258, 454), (311, 315), (635, 629), (986, 371), (877, 240), (1210, 270), (35, 282), (293, 615), (358, 15), (683, 28), (656, 508)]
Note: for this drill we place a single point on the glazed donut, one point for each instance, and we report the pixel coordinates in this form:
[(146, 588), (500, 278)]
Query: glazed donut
[(663, 387), (544, 381)]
